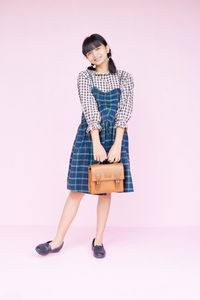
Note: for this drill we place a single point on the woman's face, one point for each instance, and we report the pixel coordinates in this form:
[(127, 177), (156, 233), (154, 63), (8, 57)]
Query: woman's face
[(98, 55)]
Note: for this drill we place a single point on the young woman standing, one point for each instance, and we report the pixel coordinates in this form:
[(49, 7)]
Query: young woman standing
[(106, 96)]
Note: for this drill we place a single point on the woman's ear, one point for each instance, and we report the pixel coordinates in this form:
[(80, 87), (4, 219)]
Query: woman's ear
[(107, 48)]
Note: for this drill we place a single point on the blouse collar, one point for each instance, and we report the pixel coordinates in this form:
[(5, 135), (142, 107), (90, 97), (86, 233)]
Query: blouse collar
[(95, 73)]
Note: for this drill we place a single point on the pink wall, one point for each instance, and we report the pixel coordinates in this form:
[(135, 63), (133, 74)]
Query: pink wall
[(40, 57)]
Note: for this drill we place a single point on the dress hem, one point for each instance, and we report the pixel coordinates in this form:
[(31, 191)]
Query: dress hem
[(99, 194)]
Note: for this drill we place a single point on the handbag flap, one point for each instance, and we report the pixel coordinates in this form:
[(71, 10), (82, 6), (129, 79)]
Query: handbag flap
[(111, 171)]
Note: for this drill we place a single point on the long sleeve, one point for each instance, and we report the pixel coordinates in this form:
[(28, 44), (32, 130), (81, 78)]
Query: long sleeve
[(88, 102), (125, 107)]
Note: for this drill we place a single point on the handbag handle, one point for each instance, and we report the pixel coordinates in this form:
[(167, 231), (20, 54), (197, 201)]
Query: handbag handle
[(102, 162)]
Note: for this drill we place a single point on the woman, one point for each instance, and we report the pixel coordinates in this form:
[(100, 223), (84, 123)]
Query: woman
[(106, 96)]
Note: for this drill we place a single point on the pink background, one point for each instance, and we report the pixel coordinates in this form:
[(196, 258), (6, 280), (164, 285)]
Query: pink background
[(40, 53), (40, 58)]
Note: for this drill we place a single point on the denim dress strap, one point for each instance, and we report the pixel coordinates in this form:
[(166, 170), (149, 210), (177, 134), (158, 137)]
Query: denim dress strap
[(121, 78), (91, 77)]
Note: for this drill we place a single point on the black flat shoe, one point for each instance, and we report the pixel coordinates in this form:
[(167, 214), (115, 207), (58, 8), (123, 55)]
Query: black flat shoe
[(98, 250), (45, 248)]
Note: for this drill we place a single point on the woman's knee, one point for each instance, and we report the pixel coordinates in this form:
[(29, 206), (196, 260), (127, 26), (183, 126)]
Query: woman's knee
[(77, 194)]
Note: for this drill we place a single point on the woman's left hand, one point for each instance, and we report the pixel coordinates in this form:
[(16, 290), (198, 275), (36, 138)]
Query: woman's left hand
[(114, 154)]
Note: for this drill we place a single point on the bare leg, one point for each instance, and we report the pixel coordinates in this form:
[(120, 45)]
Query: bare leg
[(68, 214), (103, 208)]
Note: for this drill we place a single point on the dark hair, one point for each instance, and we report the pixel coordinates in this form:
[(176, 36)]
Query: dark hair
[(93, 41)]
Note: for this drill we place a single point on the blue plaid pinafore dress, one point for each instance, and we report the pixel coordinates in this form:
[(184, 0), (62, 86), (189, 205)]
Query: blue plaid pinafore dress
[(82, 149)]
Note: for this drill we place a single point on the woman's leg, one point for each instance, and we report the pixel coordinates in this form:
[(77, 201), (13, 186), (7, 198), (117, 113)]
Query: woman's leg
[(68, 214), (103, 208)]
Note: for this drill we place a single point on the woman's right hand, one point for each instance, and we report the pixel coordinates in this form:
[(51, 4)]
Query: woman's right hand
[(99, 152)]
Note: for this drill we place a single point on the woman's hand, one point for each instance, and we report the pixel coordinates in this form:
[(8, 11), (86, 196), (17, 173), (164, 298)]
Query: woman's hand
[(99, 152), (114, 154)]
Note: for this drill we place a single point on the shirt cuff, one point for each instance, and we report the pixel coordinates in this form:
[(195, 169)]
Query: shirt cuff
[(93, 126), (121, 124)]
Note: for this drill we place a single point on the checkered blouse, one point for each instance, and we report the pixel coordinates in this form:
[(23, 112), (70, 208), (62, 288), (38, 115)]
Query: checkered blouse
[(105, 82)]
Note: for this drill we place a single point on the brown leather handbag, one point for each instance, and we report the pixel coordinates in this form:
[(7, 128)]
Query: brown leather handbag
[(106, 178)]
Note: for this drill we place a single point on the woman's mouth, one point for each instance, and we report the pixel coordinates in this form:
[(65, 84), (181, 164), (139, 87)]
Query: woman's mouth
[(97, 59)]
